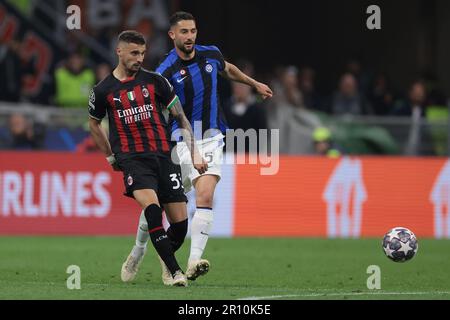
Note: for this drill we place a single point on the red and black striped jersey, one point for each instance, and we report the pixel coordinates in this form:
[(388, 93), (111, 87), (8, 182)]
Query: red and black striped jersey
[(135, 111)]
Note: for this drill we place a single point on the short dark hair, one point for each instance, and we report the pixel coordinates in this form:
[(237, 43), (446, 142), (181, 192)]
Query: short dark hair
[(180, 15), (132, 36)]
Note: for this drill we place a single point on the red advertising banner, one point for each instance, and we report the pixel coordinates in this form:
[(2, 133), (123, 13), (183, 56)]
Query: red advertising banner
[(79, 194), (347, 197), (62, 193)]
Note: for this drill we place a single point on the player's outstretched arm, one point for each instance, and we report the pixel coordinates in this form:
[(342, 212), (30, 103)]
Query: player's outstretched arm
[(99, 136), (233, 73), (177, 112)]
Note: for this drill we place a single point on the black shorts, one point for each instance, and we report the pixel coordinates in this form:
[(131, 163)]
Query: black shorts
[(152, 171)]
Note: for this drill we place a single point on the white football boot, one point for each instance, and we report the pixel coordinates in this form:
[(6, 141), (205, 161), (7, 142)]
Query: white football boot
[(179, 279), (130, 267), (197, 268), (166, 275)]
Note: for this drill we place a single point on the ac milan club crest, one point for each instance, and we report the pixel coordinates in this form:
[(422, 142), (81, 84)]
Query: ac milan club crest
[(130, 180), (145, 92)]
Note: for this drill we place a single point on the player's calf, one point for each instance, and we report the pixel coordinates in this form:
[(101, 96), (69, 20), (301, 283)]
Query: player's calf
[(159, 238), (177, 233)]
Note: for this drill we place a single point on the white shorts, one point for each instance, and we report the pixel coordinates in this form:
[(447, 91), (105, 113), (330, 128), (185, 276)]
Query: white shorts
[(211, 150)]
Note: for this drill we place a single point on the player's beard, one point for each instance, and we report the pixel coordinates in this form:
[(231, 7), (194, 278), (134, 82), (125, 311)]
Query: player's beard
[(133, 69), (186, 50)]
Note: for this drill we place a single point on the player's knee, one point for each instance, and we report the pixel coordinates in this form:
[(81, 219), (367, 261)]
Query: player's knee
[(204, 198), (153, 215)]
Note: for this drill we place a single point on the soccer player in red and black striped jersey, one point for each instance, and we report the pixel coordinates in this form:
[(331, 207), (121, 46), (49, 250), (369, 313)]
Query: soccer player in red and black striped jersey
[(140, 146)]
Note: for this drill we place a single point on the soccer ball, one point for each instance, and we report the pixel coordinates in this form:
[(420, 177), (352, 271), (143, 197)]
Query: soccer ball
[(400, 244)]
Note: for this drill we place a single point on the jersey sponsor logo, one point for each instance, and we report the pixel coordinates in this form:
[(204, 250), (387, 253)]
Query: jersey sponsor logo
[(136, 114), (209, 68), (136, 111)]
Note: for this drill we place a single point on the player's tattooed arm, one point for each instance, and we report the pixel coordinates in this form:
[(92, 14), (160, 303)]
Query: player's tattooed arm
[(188, 135)]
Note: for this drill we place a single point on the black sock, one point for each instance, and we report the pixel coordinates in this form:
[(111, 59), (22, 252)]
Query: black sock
[(160, 240), (177, 232)]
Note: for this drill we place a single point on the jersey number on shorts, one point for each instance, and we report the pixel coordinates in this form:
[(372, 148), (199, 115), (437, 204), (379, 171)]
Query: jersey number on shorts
[(175, 178), (208, 157)]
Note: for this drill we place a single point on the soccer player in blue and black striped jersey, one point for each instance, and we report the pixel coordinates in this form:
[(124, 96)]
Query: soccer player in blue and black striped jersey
[(193, 72)]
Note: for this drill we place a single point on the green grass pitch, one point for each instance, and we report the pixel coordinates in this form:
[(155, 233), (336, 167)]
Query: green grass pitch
[(241, 268)]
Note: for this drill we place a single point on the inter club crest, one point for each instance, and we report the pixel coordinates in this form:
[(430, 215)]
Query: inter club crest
[(209, 68), (182, 72)]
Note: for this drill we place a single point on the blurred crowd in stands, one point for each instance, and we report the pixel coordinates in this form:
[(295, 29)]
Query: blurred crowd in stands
[(308, 120)]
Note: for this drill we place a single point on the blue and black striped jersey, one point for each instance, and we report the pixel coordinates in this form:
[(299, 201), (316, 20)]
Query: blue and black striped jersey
[(195, 83)]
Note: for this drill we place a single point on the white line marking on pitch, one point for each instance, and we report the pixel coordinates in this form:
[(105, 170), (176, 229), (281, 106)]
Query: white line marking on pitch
[(342, 294)]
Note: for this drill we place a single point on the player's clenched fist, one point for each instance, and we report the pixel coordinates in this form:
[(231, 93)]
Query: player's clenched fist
[(263, 90), (200, 164), (113, 162)]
